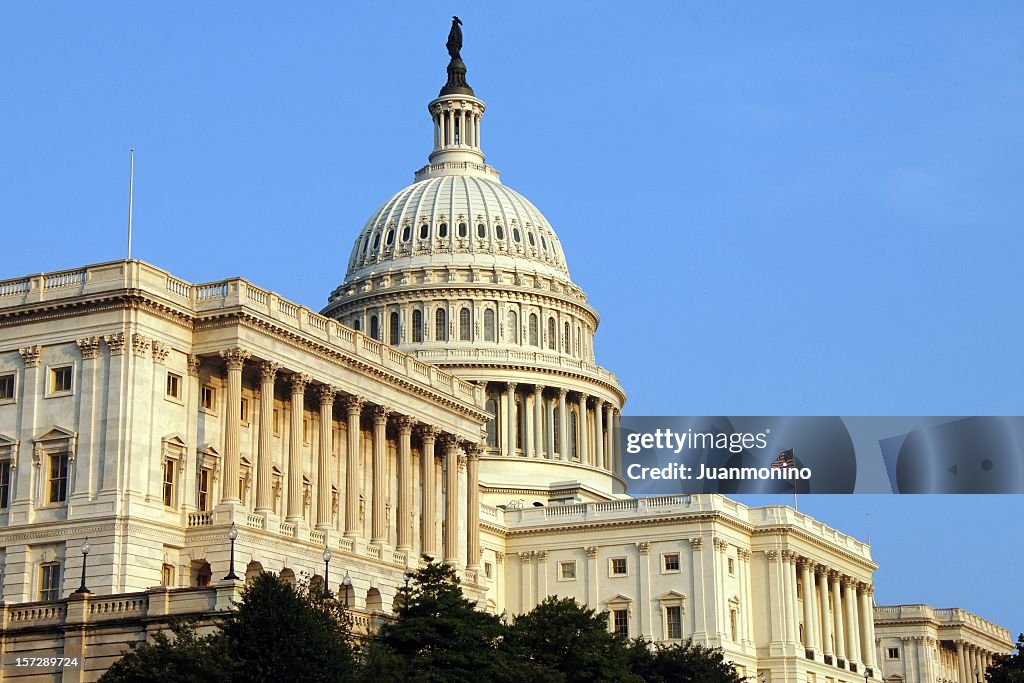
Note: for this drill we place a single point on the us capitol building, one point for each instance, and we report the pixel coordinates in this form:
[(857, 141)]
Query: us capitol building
[(446, 402)]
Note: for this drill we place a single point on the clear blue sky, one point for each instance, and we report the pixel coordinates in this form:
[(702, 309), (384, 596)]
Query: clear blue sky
[(778, 210)]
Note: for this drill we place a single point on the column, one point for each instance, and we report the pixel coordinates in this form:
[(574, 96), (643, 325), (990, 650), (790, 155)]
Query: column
[(786, 593), (961, 664), (867, 632), (451, 500), (697, 580), (379, 522), (298, 384), (323, 474), (563, 425), (85, 465), (234, 359), (808, 587), (582, 423), (852, 624), (609, 421), (353, 409), (837, 613), (617, 466), (599, 433), (791, 576), (510, 423), (265, 461), (550, 448), (826, 618), (538, 420), (778, 605), (404, 516), (972, 659), (428, 515), (473, 451)]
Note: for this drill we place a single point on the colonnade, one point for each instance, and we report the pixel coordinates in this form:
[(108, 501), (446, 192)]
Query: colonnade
[(529, 423), (972, 661), (457, 455), (457, 123), (837, 611)]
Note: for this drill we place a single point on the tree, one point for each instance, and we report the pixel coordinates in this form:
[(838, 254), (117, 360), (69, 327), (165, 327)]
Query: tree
[(187, 658), (1008, 668), (564, 642), (438, 635), (680, 663)]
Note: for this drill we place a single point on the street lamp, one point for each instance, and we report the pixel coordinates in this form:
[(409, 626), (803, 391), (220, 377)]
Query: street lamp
[(866, 677), (977, 674), (346, 584), (763, 678), (85, 556), (233, 534), (327, 567)]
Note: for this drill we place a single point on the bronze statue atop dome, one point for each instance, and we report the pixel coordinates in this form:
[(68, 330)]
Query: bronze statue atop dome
[(454, 43), (456, 84)]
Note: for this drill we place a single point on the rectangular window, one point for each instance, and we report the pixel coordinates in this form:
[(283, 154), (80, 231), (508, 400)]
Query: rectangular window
[(618, 566), (488, 569), (305, 430), (894, 652), (732, 567), (733, 623), (277, 421), (203, 502), (7, 387), (60, 379), (671, 562), (5, 483), (207, 397), (567, 570), (620, 622), (173, 385), (674, 622), (169, 469), (58, 491), (49, 581), (245, 411), (167, 575)]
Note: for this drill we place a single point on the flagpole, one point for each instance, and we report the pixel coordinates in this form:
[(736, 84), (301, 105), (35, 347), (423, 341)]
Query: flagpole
[(131, 191)]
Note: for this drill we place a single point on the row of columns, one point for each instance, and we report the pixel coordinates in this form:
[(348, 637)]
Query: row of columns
[(603, 452), (846, 632), (970, 659), (449, 120), (298, 383)]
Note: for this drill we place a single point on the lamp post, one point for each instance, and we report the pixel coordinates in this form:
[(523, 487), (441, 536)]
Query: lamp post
[(85, 557), (346, 584), (977, 674), (327, 568), (866, 677), (233, 534)]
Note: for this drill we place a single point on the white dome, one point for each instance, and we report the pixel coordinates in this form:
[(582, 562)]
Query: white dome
[(462, 220)]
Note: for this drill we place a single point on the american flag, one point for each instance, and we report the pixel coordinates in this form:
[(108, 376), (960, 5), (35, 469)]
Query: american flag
[(785, 460)]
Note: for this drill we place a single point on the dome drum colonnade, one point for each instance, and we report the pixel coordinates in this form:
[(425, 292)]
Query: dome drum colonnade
[(456, 454)]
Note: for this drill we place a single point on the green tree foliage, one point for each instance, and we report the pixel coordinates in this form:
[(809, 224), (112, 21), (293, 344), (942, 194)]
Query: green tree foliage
[(1008, 668), (561, 641), (187, 658), (438, 635), (680, 663)]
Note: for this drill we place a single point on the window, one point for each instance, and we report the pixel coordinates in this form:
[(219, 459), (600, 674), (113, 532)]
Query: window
[(442, 230), (617, 566), (374, 327), (277, 421), (169, 470), (406, 233), (573, 433), (556, 428), (417, 326), (60, 379), (488, 569), (515, 233), (463, 230), (489, 325), (243, 413), (620, 622), (173, 386), (208, 398), (499, 232), (390, 238), (396, 329), (670, 562), (58, 489), (49, 581), (734, 621), (167, 575), (481, 230), (7, 387), (425, 231), (674, 622), (551, 334), (565, 341), (732, 569), (5, 483), (567, 570), (376, 240), (464, 325), (440, 325), (893, 652), (534, 331), (513, 327), (357, 325), (203, 498), (492, 423), (543, 243), (532, 239)]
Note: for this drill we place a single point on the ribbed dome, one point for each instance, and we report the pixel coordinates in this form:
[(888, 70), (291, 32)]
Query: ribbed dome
[(460, 219)]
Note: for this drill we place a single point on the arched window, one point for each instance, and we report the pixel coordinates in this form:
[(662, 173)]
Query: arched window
[(464, 328), (374, 327), (417, 326), (391, 237), (513, 327), (533, 240), (376, 241), (551, 333), (424, 231), (492, 424), (357, 325), (556, 429), (488, 325), (396, 329), (406, 233), (463, 230), (442, 230), (534, 332), (543, 243), (440, 325), (573, 437), (565, 339), (499, 232), (481, 230), (520, 440), (515, 233)]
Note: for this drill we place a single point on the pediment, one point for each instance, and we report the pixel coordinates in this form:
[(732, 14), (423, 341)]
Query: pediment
[(174, 440), (57, 434), (619, 600), (672, 595)]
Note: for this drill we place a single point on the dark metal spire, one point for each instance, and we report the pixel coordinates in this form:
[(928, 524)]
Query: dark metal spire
[(456, 84)]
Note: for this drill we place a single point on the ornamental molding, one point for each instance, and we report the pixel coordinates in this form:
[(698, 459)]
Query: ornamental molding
[(140, 345), (194, 362), (235, 358), (116, 343), (160, 352), (89, 346), (268, 371), (298, 382), (31, 355)]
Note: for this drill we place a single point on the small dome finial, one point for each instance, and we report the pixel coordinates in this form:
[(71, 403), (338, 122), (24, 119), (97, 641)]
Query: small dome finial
[(456, 84)]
